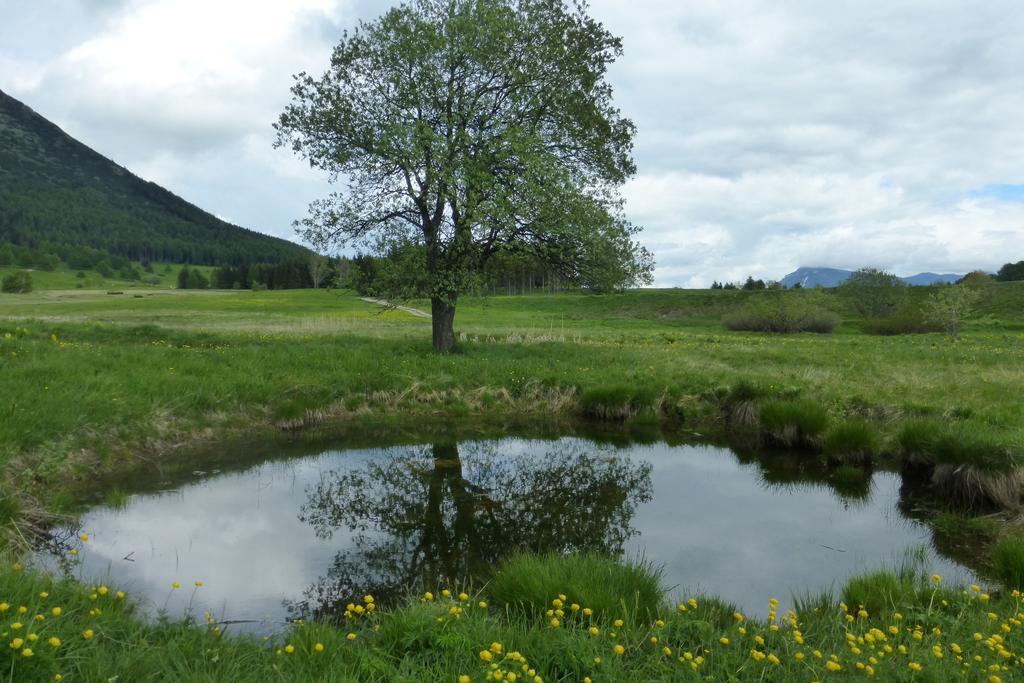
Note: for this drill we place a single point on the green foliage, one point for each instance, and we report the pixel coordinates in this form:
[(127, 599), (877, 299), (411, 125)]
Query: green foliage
[(950, 306), (976, 278), (1008, 561), (854, 438), (874, 293), (610, 588), (794, 422), (1011, 272), (70, 203), (784, 312), (458, 163), (17, 283)]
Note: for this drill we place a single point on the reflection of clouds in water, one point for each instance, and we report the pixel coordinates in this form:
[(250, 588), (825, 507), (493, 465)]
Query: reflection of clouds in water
[(712, 524), (238, 533), (716, 531)]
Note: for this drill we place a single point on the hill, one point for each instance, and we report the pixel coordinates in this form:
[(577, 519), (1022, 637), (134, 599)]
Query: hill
[(58, 195), (833, 277)]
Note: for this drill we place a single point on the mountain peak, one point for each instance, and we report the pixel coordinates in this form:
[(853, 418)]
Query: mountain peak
[(833, 277), (58, 192)]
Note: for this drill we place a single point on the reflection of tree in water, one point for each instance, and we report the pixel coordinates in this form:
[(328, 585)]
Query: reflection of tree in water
[(424, 515)]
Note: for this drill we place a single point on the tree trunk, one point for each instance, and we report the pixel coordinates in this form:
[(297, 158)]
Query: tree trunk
[(442, 314)]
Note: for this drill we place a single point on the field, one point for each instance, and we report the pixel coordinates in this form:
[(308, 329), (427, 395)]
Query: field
[(96, 384), (90, 377)]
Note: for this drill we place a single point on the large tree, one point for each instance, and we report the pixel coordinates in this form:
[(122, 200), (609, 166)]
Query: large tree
[(469, 127)]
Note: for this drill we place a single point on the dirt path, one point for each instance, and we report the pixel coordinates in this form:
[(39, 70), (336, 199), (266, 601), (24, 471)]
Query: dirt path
[(411, 311)]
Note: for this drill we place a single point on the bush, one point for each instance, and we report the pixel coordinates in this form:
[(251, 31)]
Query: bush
[(950, 306), (784, 312), (1008, 562), (853, 440), (906, 320), (17, 283), (612, 589), (793, 423), (874, 293)]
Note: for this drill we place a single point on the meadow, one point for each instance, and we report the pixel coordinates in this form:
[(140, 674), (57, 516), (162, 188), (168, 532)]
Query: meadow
[(97, 385)]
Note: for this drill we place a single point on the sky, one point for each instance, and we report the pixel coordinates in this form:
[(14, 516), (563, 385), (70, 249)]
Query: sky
[(770, 134)]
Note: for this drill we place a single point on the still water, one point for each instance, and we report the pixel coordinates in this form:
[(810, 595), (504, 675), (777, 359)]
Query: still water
[(301, 537)]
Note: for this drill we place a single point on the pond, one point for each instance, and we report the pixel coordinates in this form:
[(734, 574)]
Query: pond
[(303, 536)]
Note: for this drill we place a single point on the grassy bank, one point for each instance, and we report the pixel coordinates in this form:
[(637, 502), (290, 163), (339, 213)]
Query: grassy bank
[(540, 619), (93, 382)]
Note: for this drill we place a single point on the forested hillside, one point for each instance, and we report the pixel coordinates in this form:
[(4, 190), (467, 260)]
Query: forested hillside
[(57, 195)]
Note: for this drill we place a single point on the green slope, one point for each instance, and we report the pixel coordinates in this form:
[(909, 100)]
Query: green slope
[(57, 194)]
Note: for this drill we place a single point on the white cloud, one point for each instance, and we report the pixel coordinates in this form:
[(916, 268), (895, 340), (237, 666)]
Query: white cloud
[(770, 135)]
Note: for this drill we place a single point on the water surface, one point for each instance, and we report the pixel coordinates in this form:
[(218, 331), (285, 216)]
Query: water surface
[(303, 536)]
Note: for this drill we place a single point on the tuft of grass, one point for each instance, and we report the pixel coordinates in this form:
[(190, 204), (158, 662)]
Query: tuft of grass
[(975, 488), (852, 441), (881, 593), (1008, 561), (972, 444), (617, 402), (793, 423), (610, 588), (917, 436)]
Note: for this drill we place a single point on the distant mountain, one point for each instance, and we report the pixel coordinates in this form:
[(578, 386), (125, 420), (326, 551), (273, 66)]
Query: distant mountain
[(57, 195), (931, 278), (816, 277), (833, 277)]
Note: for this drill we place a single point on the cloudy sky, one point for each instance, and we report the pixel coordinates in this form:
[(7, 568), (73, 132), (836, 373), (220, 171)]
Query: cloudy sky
[(771, 134)]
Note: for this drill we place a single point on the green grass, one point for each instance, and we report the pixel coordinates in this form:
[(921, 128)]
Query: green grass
[(794, 423), (63, 278), (1008, 561), (446, 637), (608, 588)]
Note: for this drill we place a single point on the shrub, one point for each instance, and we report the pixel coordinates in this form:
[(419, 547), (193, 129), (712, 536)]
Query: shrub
[(794, 422), (852, 441), (1008, 561), (950, 306), (874, 293), (17, 283), (783, 312), (617, 402), (611, 588), (907, 320)]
